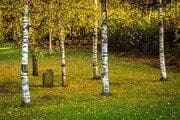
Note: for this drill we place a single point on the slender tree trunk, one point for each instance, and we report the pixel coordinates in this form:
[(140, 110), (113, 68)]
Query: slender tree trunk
[(1, 24), (33, 54), (63, 60), (50, 31), (177, 41), (24, 68), (150, 13), (161, 42), (105, 79), (95, 40), (50, 42), (61, 38), (149, 9), (34, 62)]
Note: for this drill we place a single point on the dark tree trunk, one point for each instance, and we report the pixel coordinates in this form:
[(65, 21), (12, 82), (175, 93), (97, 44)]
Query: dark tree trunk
[(177, 41), (34, 62), (178, 55)]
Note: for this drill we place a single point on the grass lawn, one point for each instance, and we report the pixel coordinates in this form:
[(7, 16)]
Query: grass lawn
[(137, 93)]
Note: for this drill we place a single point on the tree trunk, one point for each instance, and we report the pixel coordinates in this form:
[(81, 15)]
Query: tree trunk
[(95, 40), (161, 42), (63, 59), (1, 25), (50, 31), (61, 38), (149, 9), (178, 55), (34, 62), (105, 79), (177, 41), (50, 42), (24, 68)]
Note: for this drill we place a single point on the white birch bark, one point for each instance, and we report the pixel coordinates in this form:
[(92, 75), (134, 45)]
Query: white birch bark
[(24, 68), (63, 60), (105, 79), (95, 40), (50, 42), (161, 42), (50, 31)]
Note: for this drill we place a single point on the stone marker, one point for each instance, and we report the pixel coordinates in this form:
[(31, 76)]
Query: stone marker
[(47, 78)]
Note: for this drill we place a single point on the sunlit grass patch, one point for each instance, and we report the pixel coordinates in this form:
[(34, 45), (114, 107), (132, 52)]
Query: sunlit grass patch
[(5, 48), (136, 90)]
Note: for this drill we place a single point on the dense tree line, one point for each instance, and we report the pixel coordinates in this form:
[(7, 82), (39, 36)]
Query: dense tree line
[(133, 27)]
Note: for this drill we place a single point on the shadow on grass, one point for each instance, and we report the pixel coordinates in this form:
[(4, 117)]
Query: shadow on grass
[(10, 87), (40, 85), (94, 79), (50, 97)]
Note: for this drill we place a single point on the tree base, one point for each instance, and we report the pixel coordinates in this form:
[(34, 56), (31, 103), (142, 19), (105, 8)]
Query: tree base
[(98, 77), (23, 104), (51, 52), (66, 85), (106, 93), (35, 74), (163, 79)]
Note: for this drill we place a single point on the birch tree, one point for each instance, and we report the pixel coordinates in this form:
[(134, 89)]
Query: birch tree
[(95, 40), (105, 79), (50, 29), (24, 68), (61, 38), (50, 42), (63, 60), (161, 42)]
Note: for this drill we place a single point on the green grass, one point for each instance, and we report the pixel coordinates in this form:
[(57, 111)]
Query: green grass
[(137, 93)]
